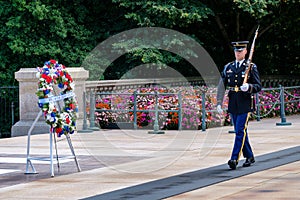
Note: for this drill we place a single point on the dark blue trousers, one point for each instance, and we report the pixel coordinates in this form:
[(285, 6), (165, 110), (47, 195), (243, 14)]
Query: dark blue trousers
[(241, 142)]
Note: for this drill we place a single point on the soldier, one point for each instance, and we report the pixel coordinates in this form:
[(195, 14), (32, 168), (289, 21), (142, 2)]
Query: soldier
[(241, 101)]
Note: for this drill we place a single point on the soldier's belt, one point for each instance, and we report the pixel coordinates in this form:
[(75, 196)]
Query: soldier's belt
[(236, 89)]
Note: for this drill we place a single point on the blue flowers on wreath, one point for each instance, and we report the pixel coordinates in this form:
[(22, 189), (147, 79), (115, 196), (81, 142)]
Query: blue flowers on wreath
[(61, 121)]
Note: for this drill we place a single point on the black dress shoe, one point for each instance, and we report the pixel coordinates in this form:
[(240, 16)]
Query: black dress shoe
[(232, 164), (248, 162)]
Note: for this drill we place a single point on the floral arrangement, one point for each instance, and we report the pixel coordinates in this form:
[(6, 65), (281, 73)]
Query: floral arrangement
[(62, 121)]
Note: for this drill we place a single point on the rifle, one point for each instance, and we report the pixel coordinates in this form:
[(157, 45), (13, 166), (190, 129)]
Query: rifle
[(249, 64)]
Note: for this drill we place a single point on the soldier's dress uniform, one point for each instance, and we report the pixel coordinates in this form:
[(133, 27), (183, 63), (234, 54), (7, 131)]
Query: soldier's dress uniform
[(239, 106)]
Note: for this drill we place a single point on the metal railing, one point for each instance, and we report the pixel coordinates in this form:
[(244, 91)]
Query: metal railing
[(9, 99), (9, 106), (96, 97), (279, 100), (271, 104)]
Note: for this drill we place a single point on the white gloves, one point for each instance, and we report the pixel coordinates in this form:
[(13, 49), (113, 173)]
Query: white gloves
[(245, 87), (219, 109)]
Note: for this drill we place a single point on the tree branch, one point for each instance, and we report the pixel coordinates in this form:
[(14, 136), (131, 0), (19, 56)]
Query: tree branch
[(251, 32), (238, 25), (223, 30), (266, 29)]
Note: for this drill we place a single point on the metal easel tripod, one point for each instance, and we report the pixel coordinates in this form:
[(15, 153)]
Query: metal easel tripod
[(29, 163)]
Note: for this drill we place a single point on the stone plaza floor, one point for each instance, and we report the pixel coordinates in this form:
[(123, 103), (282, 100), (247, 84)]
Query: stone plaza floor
[(128, 164)]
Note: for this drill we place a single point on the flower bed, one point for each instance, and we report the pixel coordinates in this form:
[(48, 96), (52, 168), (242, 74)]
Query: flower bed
[(191, 107)]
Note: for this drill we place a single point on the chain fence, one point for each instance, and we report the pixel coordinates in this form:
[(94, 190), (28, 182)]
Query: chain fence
[(191, 113)]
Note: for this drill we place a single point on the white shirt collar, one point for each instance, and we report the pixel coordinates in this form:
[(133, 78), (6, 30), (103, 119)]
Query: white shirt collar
[(240, 62)]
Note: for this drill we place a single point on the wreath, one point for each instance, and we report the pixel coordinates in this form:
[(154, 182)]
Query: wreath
[(61, 120)]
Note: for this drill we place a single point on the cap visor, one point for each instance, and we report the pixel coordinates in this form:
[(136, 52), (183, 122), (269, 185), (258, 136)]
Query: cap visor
[(239, 49)]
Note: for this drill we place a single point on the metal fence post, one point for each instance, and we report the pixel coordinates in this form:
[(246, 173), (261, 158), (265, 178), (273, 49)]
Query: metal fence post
[(282, 110), (257, 107), (231, 124), (92, 111), (203, 112), (156, 127), (179, 111), (12, 113), (134, 110)]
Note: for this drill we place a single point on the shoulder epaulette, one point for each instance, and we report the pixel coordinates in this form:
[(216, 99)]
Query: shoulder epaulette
[(253, 64), (229, 63), (225, 67)]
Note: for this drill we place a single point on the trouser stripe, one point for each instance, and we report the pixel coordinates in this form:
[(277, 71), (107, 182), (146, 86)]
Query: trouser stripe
[(244, 137)]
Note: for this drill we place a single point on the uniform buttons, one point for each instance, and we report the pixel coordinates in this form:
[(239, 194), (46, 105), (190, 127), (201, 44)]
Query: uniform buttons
[(236, 75), (235, 80)]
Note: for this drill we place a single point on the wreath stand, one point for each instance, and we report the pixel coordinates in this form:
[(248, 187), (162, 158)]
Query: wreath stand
[(51, 134)]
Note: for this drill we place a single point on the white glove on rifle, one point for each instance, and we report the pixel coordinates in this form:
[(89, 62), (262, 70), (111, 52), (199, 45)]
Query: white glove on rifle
[(219, 109), (245, 87)]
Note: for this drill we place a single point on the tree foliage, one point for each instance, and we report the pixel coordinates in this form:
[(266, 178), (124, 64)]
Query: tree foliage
[(165, 13), (34, 31), (216, 23)]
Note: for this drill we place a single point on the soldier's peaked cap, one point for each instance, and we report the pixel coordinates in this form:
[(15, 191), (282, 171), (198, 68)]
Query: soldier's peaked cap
[(239, 45)]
